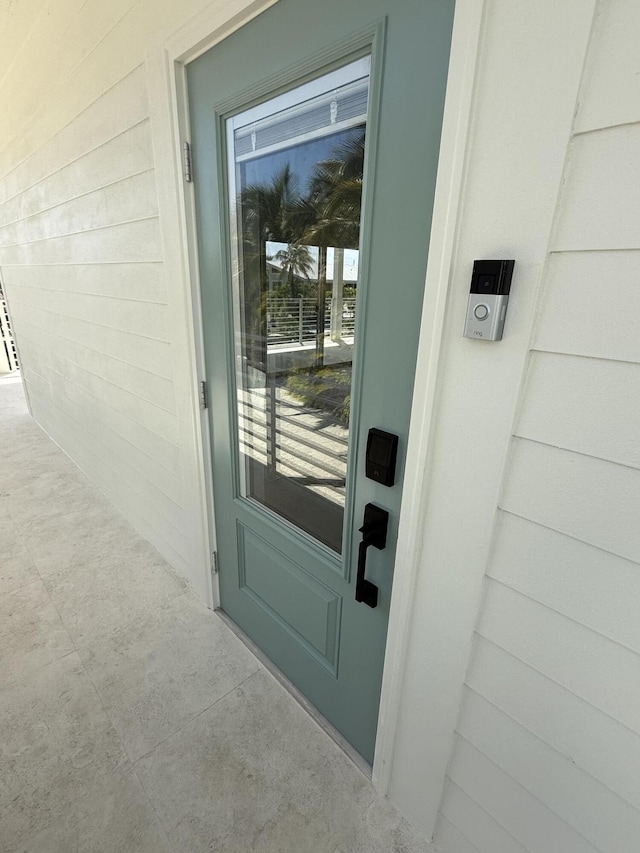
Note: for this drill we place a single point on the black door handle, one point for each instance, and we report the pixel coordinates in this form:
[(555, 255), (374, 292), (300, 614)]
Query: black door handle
[(374, 532)]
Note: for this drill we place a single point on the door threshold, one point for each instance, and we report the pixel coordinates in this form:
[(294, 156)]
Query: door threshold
[(352, 754)]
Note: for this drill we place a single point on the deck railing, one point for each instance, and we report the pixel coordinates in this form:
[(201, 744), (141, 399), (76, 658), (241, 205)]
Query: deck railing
[(295, 321), (8, 353), (293, 440)]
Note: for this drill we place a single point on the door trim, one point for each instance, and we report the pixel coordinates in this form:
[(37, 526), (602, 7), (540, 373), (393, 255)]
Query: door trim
[(166, 65)]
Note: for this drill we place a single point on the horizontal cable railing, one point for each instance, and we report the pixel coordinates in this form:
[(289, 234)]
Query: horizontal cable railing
[(8, 352), (295, 321), (294, 440)]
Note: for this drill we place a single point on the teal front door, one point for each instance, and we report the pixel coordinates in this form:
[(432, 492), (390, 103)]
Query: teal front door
[(315, 134)]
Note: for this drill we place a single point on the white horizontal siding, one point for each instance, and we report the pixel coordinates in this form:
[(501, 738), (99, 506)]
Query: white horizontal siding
[(46, 31), (549, 730), (603, 673), (18, 21), (156, 419), (145, 384), (89, 124), (126, 200), (588, 585), (146, 442), (138, 282), (600, 207), (587, 498), (560, 718), (127, 154), (594, 811), (448, 837), (535, 826), (132, 349), (611, 86), (583, 404), (76, 24), (94, 64), (104, 426), (471, 821), (131, 242), (591, 305), (150, 320)]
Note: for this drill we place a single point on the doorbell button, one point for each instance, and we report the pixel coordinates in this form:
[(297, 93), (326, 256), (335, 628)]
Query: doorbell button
[(481, 312)]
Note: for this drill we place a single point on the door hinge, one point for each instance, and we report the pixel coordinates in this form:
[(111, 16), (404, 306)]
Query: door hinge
[(186, 161), (214, 562), (204, 399)]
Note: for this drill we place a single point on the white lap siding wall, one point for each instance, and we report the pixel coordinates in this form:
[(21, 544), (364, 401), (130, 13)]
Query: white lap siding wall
[(548, 746), (82, 258)]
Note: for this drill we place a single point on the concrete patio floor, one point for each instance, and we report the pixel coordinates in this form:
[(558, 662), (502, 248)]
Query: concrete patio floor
[(131, 717)]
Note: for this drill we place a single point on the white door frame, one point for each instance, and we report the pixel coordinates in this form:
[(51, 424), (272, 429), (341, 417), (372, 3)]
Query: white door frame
[(166, 76)]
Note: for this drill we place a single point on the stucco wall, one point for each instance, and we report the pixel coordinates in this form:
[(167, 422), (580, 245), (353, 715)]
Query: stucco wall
[(548, 744)]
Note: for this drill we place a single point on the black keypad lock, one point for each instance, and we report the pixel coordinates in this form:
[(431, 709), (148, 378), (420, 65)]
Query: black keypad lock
[(382, 451)]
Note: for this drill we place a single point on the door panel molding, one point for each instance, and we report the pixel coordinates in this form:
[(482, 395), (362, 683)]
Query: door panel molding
[(319, 636)]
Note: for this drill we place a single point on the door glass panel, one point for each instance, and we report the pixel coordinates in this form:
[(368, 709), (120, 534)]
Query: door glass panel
[(295, 172)]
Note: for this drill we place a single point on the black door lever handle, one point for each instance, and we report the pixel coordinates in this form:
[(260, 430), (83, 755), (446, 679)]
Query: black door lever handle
[(374, 532)]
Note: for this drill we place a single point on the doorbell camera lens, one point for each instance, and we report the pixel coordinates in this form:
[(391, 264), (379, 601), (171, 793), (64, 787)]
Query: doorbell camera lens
[(492, 277)]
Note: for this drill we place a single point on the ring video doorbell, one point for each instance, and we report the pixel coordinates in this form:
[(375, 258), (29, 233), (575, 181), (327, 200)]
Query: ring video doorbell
[(488, 298)]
